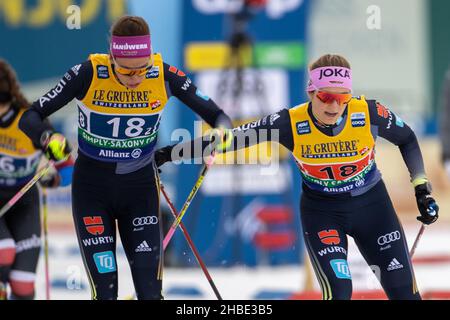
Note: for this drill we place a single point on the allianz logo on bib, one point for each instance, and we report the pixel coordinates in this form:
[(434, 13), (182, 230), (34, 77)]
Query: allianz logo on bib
[(113, 154), (358, 119), (136, 153), (303, 127), (102, 72)]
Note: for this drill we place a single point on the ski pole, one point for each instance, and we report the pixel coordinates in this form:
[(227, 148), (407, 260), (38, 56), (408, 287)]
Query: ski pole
[(45, 222), (191, 244), (193, 192), (177, 221), (419, 235), (25, 188)]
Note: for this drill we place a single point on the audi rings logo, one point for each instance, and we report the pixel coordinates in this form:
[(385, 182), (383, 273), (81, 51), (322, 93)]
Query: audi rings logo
[(388, 238), (145, 221)]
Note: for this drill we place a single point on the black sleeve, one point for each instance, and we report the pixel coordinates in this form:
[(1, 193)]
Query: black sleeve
[(275, 128), (46, 126), (74, 84), (181, 86), (392, 128)]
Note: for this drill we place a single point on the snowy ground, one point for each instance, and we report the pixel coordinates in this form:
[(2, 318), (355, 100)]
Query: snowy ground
[(69, 280)]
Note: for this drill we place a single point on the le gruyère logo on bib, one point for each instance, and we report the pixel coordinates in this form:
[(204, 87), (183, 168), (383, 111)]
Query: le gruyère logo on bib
[(8, 143), (121, 99), (330, 149)]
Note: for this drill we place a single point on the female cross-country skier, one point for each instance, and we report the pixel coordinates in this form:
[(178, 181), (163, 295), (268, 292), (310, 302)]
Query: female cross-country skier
[(20, 226), (332, 138), (120, 98)]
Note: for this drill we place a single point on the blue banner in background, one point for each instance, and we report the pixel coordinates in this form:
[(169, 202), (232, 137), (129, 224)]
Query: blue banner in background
[(42, 39), (38, 39), (241, 215)]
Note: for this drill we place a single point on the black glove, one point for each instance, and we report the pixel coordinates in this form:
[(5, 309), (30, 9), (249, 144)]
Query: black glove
[(427, 205), (163, 155)]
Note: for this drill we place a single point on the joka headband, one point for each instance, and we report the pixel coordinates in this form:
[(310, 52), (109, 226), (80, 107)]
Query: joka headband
[(335, 77)]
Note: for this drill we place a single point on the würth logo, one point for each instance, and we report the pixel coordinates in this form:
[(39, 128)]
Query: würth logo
[(94, 225), (329, 237)]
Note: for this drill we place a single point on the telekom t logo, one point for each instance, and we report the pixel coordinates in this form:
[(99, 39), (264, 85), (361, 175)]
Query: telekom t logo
[(105, 262), (341, 268)]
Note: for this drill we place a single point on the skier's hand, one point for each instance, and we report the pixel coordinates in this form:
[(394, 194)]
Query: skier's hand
[(221, 138), (60, 175), (56, 147), (163, 155), (427, 205)]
